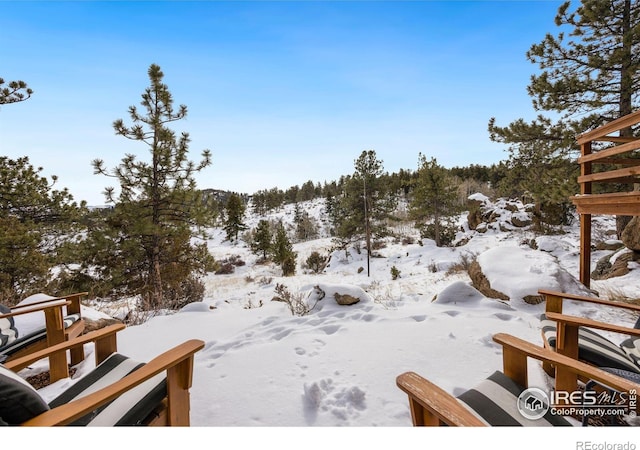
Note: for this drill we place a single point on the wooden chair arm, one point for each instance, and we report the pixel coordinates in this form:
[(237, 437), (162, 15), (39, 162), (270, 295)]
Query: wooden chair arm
[(432, 405), (590, 323), (73, 302), (516, 350), (39, 306), (563, 295), (71, 411), (103, 335)]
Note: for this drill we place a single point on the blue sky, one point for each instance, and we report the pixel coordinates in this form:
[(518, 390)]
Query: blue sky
[(280, 92)]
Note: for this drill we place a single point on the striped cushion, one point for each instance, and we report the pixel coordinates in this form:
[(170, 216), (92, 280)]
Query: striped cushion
[(8, 331), (631, 347), (32, 338), (495, 402), (131, 408), (592, 347), (19, 401)]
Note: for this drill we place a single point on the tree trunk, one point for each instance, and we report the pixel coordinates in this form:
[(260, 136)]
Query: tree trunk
[(155, 278), (626, 89)]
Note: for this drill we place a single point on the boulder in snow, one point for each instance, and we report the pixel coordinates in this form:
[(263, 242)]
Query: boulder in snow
[(459, 292), (518, 273)]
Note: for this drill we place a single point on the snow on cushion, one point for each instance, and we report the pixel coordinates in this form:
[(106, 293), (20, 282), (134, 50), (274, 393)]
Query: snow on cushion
[(32, 338), (19, 401), (495, 402), (8, 331), (131, 408), (593, 348)]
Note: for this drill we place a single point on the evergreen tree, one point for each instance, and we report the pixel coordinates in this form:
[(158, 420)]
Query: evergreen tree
[(14, 92), (307, 192), (35, 222), (434, 197), (594, 71), (261, 242), (235, 210), (282, 250), (159, 208), (588, 76), (364, 204)]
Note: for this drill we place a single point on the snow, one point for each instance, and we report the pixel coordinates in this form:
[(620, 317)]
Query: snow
[(336, 366)]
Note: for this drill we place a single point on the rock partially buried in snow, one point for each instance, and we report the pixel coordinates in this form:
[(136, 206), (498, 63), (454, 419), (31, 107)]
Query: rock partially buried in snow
[(519, 272), (482, 284), (344, 294), (345, 299), (463, 294), (195, 307), (459, 292)]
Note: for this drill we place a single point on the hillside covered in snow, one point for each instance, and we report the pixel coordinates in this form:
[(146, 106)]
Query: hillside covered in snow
[(335, 364)]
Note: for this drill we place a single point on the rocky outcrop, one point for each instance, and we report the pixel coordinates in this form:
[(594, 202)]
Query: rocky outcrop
[(616, 265), (518, 273), (482, 284), (631, 234), (504, 215)]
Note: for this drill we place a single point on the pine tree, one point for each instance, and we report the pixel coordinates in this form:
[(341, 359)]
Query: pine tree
[(35, 222), (364, 204), (261, 242), (158, 205), (588, 76), (14, 92), (594, 70), (434, 197), (235, 209), (282, 251)]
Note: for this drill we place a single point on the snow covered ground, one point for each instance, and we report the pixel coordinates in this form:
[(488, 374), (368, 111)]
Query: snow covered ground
[(336, 366)]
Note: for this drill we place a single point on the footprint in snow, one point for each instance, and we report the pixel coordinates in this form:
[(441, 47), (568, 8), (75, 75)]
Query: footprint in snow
[(326, 397), (281, 334), (331, 329), (504, 316)]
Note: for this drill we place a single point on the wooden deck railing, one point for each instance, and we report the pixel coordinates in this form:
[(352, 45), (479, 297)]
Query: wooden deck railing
[(616, 165)]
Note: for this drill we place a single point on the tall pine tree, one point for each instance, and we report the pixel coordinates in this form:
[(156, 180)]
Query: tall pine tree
[(364, 204), (588, 75), (158, 206), (435, 199), (235, 209)]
